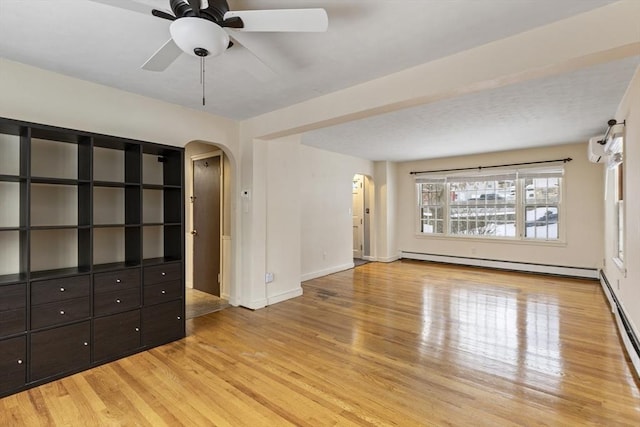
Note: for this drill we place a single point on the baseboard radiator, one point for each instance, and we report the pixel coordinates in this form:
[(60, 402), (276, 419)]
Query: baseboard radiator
[(628, 335), (589, 273)]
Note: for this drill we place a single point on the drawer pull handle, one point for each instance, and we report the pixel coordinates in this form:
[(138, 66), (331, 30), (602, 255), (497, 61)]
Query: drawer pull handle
[(86, 343), (62, 312), (179, 318), (163, 292), (137, 329), (118, 301), (19, 361), (118, 280), (61, 289), (163, 273)]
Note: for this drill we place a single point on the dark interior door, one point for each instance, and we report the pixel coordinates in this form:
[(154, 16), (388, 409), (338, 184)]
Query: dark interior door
[(206, 225)]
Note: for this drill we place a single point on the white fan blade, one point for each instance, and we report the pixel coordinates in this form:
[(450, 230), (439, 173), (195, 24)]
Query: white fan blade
[(249, 62), (272, 56), (282, 20), (163, 57), (127, 4)]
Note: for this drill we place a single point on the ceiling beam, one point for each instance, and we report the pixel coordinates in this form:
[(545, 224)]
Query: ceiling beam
[(601, 35)]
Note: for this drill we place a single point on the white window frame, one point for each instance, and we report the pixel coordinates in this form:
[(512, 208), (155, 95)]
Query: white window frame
[(420, 206), (519, 202), (615, 164), (542, 173), (458, 179)]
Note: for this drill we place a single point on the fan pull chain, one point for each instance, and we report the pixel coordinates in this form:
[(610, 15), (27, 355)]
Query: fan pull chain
[(202, 78)]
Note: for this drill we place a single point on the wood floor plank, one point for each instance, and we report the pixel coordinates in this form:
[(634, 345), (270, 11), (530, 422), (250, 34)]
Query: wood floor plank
[(401, 344)]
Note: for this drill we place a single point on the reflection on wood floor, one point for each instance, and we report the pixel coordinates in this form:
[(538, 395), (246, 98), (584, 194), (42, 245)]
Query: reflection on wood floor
[(404, 344), (199, 303)]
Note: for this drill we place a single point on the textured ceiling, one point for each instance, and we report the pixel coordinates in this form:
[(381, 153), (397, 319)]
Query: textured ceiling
[(367, 39), (568, 108)]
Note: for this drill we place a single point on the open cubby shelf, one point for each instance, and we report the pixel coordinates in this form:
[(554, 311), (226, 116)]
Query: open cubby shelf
[(59, 273), (111, 266), (8, 279), (57, 181), (93, 225), (158, 260), (13, 178), (115, 184)]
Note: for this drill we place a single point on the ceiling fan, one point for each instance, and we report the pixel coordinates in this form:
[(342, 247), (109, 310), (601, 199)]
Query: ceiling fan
[(199, 27)]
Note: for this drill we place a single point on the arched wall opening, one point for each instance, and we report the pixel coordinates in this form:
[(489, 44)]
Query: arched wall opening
[(362, 210), (226, 259)]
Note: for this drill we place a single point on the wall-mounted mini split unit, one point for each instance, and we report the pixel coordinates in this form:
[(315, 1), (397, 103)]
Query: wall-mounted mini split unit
[(596, 149)]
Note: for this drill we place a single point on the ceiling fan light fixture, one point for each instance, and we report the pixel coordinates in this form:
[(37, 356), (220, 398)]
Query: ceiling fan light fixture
[(193, 35)]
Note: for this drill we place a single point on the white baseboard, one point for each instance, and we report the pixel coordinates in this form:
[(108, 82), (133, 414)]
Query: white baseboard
[(189, 284), (326, 271), (590, 273), (256, 304), (369, 258), (626, 340), (633, 355), (389, 259), (283, 296)]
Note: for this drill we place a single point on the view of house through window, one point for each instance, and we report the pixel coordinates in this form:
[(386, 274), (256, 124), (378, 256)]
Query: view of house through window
[(542, 196), (509, 205), (432, 205), (484, 207)]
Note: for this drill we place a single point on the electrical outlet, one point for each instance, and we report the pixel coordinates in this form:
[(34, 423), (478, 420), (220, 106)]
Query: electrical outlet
[(268, 278)]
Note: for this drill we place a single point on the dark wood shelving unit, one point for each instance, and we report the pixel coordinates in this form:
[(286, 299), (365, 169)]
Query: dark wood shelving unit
[(79, 284)]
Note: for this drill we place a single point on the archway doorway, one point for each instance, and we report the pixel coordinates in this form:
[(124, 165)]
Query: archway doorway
[(361, 218), (207, 179)]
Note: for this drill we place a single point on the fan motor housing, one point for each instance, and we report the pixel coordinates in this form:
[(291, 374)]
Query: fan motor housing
[(200, 51), (214, 12)]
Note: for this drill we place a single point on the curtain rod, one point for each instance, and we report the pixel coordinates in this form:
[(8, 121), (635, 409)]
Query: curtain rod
[(479, 168)]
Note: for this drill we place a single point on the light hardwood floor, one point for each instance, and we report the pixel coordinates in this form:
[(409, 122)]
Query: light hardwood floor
[(406, 343), (199, 303)]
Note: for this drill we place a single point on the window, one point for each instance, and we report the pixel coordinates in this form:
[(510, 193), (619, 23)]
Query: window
[(431, 205), (513, 205), (615, 162), (482, 206), (541, 204)]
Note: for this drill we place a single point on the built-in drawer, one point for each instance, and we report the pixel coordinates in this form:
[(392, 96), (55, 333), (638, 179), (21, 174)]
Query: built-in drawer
[(116, 280), (46, 291), (116, 335), (162, 323), (12, 297), (13, 312), (60, 350), (60, 312), (13, 364), (116, 302), (162, 273), (162, 292)]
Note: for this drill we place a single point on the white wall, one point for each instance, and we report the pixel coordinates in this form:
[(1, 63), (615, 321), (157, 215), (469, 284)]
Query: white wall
[(326, 229), (283, 218), (36, 95), (627, 287), (40, 96), (582, 204), (385, 176)]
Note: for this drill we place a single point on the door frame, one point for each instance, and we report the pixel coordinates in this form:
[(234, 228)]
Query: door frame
[(217, 153), (360, 178)]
